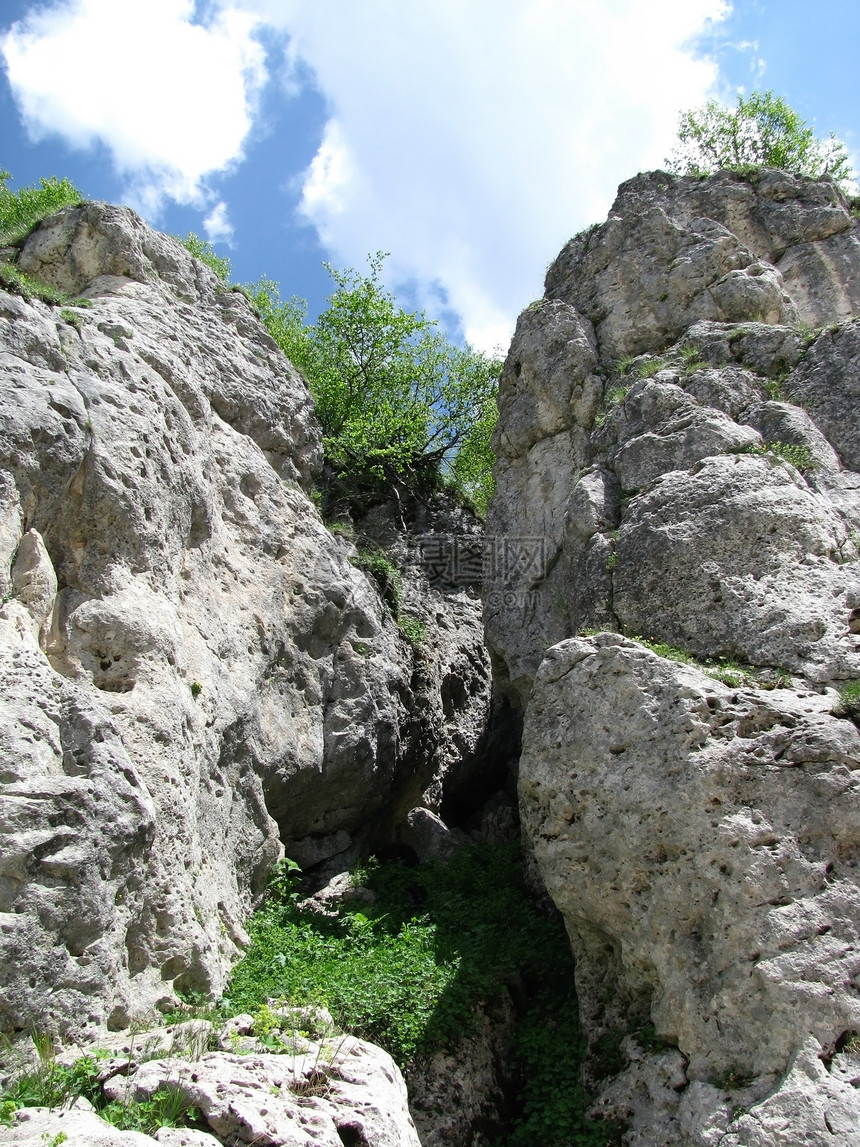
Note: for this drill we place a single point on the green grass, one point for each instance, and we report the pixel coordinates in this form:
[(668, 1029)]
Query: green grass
[(849, 701), (692, 360), (409, 971), (21, 210), (649, 368)]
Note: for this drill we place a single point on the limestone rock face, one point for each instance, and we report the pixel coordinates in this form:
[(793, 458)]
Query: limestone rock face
[(677, 462), (707, 497), (702, 842), (194, 674), (324, 1095)]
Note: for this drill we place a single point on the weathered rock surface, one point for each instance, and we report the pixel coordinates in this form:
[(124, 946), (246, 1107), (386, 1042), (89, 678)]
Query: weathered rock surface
[(193, 674), (701, 838), (329, 1093), (702, 843)]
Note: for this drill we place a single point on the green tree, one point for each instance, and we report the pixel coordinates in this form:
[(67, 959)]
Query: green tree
[(397, 401), (762, 131)]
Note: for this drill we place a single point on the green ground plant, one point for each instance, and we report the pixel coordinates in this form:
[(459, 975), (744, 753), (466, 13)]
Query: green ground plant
[(21, 210), (649, 368), (413, 628), (409, 970), (797, 455), (381, 568), (849, 701), (691, 358)]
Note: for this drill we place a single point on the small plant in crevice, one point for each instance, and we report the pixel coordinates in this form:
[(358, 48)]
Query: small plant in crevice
[(649, 368), (389, 580), (196, 689), (624, 364), (691, 359), (796, 454), (849, 701), (413, 628)]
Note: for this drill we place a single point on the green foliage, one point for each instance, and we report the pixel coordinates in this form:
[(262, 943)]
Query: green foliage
[(649, 368), (204, 251), (53, 1084), (849, 701), (408, 971), (28, 287), (21, 210), (553, 1101), (385, 573), (196, 689), (762, 131), (413, 628), (396, 400), (798, 456), (168, 1107)]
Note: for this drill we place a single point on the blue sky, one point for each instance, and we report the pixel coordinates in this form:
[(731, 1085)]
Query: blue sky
[(468, 138)]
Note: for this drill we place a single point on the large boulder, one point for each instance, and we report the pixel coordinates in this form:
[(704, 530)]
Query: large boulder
[(702, 842)]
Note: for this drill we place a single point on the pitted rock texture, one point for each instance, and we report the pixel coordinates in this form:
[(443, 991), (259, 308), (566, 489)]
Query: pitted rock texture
[(677, 460), (775, 248), (657, 495), (702, 843), (323, 1094), (194, 674)]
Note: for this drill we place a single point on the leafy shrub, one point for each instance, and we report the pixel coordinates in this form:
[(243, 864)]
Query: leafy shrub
[(205, 252), (762, 131)]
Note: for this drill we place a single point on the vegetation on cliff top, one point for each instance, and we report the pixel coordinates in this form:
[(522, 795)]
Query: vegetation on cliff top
[(762, 131)]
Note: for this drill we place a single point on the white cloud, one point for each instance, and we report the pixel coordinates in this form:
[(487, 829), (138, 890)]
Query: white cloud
[(172, 100), (217, 224), (472, 139), (469, 139)]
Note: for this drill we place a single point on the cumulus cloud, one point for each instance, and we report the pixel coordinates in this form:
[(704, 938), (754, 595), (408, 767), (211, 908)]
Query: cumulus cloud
[(173, 100), (471, 140), (217, 224), (468, 139)]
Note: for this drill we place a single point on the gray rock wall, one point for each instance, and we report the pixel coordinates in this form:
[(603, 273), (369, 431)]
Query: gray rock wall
[(193, 672), (677, 462)]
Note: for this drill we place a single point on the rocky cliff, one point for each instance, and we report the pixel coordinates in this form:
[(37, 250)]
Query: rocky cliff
[(678, 461), (194, 673)]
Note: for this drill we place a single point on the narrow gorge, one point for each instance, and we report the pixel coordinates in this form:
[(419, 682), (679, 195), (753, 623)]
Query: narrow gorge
[(662, 611)]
